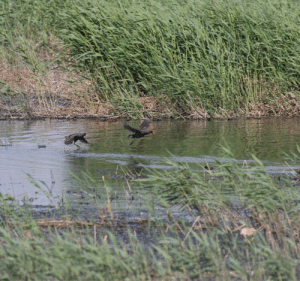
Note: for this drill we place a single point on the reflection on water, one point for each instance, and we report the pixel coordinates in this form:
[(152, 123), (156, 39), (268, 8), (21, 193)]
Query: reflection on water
[(37, 148)]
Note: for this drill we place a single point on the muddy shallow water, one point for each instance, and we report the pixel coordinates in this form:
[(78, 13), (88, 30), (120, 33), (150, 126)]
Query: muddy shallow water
[(92, 173)]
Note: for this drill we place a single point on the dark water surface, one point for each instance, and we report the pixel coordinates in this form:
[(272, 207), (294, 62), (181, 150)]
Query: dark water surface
[(78, 173)]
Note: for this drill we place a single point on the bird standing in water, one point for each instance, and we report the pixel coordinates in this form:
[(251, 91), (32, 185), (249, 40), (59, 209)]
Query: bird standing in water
[(76, 137), (140, 132)]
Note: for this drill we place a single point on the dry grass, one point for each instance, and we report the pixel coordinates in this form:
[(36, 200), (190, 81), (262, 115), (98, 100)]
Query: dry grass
[(104, 223), (51, 89)]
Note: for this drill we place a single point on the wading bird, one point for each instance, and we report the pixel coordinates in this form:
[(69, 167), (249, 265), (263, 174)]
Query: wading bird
[(76, 137), (140, 131)]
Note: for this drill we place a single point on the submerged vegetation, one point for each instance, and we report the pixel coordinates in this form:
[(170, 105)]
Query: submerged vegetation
[(245, 226), (160, 58)]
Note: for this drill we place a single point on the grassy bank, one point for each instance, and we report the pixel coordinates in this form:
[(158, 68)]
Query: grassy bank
[(245, 227), (160, 58)]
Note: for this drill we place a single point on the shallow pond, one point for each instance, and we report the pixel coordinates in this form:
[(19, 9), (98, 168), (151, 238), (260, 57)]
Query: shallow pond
[(82, 174)]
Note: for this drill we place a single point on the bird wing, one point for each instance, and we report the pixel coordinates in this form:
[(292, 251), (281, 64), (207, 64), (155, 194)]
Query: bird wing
[(83, 140), (145, 124), (69, 139), (127, 127)]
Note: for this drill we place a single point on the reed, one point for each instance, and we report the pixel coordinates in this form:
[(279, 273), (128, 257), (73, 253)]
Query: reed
[(244, 227), (221, 58), (220, 54)]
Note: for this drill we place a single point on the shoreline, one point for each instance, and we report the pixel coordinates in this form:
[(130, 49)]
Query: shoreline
[(59, 106)]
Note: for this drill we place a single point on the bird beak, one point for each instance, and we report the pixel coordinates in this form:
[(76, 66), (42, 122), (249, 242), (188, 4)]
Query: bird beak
[(153, 133)]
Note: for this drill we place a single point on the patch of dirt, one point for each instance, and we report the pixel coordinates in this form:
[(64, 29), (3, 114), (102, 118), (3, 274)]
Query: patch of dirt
[(53, 93)]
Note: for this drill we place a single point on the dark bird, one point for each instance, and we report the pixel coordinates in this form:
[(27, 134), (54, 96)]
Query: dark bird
[(140, 131), (41, 146), (76, 137)]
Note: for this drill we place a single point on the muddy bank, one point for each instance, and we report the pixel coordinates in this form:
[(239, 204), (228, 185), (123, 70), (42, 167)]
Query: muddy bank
[(66, 106), (61, 93), (58, 91)]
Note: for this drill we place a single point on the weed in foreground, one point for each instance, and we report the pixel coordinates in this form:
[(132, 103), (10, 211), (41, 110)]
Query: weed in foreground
[(245, 227)]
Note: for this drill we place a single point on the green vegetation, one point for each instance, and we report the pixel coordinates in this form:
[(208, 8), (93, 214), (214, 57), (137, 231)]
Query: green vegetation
[(221, 53), (245, 227), (211, 57)]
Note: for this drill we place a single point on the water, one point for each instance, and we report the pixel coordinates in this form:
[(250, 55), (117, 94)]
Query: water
[(78, 174)]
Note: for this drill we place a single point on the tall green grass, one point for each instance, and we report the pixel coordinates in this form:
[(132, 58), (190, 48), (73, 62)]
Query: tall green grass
[(212, 247), (216, 56), (26, 29), (28, 22), (252, 187), (222, 54)]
